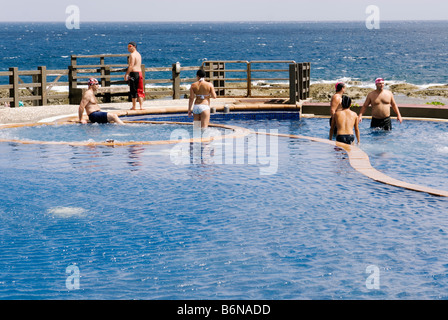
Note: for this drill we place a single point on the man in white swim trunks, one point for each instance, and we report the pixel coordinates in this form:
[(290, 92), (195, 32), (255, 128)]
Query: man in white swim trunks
[(199, 102)]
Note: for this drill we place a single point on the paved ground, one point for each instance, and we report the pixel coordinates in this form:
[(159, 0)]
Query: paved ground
[(36, 114)]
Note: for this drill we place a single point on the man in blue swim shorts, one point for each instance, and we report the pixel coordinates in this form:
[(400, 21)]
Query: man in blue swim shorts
[(90, 104)]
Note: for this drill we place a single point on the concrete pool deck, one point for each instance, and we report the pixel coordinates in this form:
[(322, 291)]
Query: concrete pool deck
[(358, 158)]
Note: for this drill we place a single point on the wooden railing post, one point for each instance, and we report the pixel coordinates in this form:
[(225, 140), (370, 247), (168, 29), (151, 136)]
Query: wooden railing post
[(14, 91), (176, 81), (249, 79), (144, 77), (293, 84), (105, 79), (72, 81), (42, 91)]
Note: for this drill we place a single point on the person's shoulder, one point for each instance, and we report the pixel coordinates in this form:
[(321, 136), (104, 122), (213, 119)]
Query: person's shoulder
[(336, 97)]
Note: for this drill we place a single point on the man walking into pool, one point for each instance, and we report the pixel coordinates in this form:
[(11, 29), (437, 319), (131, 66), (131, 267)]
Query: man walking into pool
[(345, 120), (90, 104), (381, 101)]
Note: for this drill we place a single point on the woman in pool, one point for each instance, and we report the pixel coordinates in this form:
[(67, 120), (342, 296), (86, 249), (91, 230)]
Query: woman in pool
[(199, 102)]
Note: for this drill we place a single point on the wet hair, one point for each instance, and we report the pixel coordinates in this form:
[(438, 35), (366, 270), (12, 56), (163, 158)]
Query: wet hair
[(200, 73), (339, 86), (346, 102), (132, 43)]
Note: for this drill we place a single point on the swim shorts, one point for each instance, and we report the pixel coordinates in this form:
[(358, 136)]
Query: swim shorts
[(136, 88), (385, 123), (98, 116), (199, 108), (345, 138)]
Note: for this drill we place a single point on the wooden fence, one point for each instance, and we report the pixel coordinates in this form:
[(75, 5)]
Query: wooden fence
[(230, 78), (37, 89)]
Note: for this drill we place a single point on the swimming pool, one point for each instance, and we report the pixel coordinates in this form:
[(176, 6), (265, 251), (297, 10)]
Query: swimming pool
[(138, 226)]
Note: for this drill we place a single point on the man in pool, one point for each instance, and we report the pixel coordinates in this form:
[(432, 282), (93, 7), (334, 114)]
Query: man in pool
[(90, 104), (134, 76), (345, 120), (381, 101), (336, 101)]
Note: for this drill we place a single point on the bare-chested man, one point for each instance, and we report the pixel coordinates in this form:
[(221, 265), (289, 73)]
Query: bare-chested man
[(134, 76), (381, 100), (336, 100), (345, 120), (90, 104)]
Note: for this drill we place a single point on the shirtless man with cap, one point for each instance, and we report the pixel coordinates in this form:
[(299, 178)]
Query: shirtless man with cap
[(90, 104), (134, 76), (345, 120), (381, 100)]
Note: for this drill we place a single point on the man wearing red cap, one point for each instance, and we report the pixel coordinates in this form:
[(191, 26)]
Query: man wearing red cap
[(381, 101), (90, 104)]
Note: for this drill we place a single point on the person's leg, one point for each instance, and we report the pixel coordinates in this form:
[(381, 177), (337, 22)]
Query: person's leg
[(111, 117), (140, 101), (205, 118)]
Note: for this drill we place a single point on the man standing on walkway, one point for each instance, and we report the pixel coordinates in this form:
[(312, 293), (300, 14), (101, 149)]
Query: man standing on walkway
[(381, 101), (134, 76)]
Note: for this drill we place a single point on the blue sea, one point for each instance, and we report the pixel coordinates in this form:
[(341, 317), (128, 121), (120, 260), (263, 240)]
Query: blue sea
[(412, 52)]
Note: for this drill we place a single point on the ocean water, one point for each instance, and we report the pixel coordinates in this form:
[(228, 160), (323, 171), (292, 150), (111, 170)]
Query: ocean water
[(412, 51)]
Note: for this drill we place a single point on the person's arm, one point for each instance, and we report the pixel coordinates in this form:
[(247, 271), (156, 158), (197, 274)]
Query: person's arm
[(357, 130), (364, 108), (395, 108), (212, 91), (334, 103), (333, 122), (130, 66), (190, 101), (81, 109)]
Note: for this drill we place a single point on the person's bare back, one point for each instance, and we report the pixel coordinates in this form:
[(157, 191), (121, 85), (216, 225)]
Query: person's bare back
[(135, 62), (345, 121)]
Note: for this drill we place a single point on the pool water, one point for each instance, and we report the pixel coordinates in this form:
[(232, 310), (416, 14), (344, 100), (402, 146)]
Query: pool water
[(138, 226), (96, 132)]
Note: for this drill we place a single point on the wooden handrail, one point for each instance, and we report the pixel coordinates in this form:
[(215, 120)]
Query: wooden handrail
[(112, 75)]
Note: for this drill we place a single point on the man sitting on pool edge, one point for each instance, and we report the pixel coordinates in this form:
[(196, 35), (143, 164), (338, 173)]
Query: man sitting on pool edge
[(345, 120), (90, 104)]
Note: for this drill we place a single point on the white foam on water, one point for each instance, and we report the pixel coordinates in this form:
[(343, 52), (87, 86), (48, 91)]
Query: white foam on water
[(67, 212)]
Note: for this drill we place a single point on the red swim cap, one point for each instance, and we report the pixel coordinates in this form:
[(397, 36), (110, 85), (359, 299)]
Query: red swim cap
[(92, 81)]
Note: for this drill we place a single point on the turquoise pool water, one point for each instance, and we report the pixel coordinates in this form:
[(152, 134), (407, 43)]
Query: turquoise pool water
[(95, 132), (138, 226)]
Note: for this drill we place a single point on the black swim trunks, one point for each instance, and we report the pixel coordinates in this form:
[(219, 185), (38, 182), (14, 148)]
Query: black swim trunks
[(98, 116), (345, 138), (385, 123), (136, 87)]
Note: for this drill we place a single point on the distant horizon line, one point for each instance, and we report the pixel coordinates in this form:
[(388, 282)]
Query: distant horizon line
[(228, 21)]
